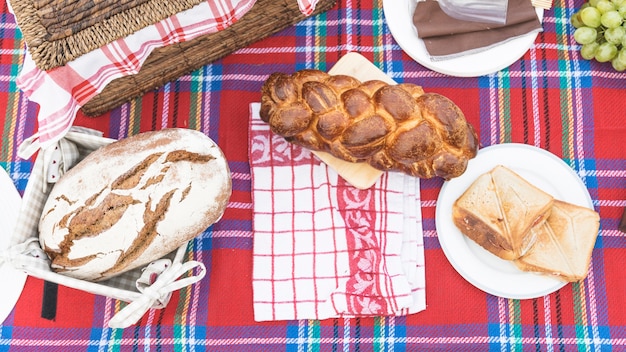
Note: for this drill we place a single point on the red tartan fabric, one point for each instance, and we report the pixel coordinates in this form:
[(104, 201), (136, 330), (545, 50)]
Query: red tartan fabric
[(550, 98)]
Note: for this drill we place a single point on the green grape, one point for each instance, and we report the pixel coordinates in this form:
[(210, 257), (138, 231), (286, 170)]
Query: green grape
[(576, 21), (621, 56), (600, 29), (585, 35), (618, 65), (591, 17), (611, 19), (615, 35), (588, 51), (605, 6), (606, 52)]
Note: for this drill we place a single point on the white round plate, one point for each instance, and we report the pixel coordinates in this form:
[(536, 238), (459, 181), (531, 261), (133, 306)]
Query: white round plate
[(480, 267), (13, 280), (399, 15)]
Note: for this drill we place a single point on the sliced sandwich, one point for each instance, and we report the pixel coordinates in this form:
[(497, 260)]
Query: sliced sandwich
[(564, 243), (498, 210)]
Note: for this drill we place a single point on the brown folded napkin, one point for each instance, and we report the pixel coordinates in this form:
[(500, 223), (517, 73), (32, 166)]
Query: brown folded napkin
[(446, 37)]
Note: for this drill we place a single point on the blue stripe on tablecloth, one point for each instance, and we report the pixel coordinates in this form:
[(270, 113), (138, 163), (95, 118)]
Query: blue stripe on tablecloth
[(211, 82), (18, 171)]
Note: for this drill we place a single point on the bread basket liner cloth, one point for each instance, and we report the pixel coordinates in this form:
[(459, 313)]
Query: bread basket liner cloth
[(138, 287), (58, 31), (61, 92), (265, 18), (324, 249)]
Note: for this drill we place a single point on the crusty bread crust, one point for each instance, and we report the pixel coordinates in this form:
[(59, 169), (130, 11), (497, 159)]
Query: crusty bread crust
[(390, 127), (133, 201), (488, 237)]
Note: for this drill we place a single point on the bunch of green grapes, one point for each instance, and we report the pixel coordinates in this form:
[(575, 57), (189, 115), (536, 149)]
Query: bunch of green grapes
[(601, 31)]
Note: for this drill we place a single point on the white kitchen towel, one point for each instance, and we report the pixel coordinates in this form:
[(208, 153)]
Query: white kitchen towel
[(323, 248)]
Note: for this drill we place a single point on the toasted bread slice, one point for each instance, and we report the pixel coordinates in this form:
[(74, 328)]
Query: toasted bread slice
[(498, 210), (564, 243)]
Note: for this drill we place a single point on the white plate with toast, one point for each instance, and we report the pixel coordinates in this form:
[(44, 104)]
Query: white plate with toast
[(478, 266), (399, 15)]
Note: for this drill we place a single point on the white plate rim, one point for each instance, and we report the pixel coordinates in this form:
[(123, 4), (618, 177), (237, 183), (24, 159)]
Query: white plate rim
[(476, 265), (13, 279), (398, 14)]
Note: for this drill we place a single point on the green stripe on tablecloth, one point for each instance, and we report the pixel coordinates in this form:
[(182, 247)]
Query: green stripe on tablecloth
[(182, 323), (314, 335), (382, 328), (378, 30), (134, 117), (386, 337), (515, 327), (565, 82), (321, 32), (115, 340), (12, 101), (580, 315), (379, 334), (195, 98), (503, 83), (499, 85)]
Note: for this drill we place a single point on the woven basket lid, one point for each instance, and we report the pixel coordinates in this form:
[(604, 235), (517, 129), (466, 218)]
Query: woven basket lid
[(59, 31)]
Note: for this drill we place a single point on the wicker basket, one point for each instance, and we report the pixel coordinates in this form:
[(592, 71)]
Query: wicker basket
[(264, 19), (58, 31), (136, 286)]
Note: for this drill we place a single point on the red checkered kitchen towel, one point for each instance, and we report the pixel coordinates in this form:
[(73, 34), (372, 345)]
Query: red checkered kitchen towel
[(62, 91), (323, 248)]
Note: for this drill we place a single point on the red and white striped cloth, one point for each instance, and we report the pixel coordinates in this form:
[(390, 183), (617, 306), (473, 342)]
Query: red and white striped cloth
[(62, 91), (323, 248)]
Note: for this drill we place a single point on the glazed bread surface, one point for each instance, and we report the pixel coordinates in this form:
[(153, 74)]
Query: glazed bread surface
[(391, 127)]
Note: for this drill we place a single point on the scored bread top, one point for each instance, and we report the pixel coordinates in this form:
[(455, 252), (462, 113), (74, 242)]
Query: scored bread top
[(498, 210), (133, 201)]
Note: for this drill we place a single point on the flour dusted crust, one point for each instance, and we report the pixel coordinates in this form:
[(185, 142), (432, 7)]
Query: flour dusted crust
[(133, 201)]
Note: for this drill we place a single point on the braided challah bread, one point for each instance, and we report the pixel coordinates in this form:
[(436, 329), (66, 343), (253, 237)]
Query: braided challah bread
[(391, 127)]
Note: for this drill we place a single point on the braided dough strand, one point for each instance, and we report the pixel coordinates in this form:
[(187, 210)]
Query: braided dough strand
[(391, 127)]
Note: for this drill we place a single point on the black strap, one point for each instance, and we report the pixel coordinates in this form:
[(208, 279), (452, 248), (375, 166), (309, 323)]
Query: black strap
[(49, 302)]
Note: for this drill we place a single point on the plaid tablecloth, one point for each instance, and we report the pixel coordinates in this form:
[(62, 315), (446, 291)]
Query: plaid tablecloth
[(550, 98)]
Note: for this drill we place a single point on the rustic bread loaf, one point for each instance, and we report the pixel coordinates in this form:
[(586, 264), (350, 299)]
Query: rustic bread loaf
[(133, 201), (391, 127)]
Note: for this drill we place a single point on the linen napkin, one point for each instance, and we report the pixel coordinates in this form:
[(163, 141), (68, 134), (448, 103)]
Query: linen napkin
[(62, 91), (323, 248), (446, 37)]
